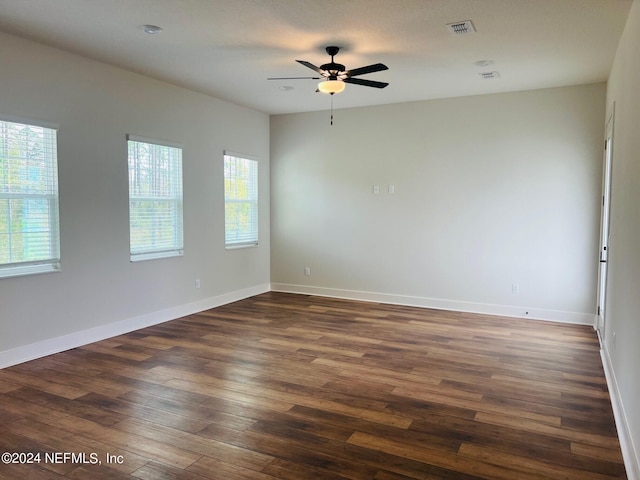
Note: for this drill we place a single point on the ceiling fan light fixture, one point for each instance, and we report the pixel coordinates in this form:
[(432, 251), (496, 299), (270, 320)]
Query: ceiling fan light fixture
[(331, 86)]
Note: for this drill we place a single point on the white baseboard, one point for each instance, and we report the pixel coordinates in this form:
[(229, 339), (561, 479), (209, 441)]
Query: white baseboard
[(84, 337), (440, 304), (629, 451)]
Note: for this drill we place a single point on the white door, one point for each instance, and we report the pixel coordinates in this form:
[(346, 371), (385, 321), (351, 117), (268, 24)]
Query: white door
[(604, 227)]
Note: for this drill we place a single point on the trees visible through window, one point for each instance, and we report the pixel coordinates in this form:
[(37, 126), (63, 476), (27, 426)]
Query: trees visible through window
[(29, 220), (240, 200), (155, 199)]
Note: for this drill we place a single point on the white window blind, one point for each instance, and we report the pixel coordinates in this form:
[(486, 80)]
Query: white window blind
[(240, 200), (155, 199), (29, 224)]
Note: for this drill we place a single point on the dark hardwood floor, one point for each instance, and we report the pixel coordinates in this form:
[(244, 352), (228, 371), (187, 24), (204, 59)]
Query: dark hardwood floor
[(298, 387)]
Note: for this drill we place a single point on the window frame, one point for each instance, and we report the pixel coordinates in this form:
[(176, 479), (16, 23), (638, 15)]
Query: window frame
[(52, 197), (177, 200), (253, 202)]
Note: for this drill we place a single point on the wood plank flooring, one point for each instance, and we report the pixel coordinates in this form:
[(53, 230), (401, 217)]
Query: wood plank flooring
[(282, 386)]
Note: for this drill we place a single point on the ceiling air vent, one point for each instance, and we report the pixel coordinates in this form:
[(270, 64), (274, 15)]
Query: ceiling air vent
[(461, 28), (489, 75)]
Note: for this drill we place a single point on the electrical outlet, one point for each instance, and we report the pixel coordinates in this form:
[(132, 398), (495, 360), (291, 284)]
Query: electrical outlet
[(515, 288), (307, 271), (197, 283), (392, 189), (376, 189)]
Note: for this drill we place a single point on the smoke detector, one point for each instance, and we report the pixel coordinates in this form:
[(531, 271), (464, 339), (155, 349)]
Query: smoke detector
[(461, 28)]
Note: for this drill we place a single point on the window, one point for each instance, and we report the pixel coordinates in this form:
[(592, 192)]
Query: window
[(240, 201), (155, 199), (29, 226)]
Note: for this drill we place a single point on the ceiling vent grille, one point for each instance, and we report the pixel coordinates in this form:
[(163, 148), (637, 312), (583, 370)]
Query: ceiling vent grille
[(461, 28), (489, 75)]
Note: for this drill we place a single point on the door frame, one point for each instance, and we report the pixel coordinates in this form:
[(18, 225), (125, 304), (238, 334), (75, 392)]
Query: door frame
[(605, 224)]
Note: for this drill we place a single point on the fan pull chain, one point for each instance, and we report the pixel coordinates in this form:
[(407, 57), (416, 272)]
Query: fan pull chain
[(332, 109)]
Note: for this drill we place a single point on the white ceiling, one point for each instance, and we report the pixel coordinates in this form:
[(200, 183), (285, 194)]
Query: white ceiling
[(228, 48)]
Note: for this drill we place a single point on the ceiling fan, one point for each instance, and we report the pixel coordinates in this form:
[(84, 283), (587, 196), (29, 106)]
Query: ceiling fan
[(334, 75)]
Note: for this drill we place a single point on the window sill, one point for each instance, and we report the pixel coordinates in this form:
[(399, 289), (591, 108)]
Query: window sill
[(240, 246), (141, 257), (21, 271)]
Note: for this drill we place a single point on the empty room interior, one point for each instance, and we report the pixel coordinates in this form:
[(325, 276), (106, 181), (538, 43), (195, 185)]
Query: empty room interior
[(358, 239)]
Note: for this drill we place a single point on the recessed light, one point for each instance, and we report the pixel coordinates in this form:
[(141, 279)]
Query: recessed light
[(151, 29), (483, 63)]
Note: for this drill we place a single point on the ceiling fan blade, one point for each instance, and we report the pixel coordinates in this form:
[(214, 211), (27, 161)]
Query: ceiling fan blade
[(294, 78), (311, 66), (366, 83), (376, 67)]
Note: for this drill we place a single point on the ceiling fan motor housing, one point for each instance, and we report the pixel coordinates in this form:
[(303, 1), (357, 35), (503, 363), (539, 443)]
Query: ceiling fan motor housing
[(333, 68)]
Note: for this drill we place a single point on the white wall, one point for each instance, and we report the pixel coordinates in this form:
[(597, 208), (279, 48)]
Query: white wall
[(100, 292), (622, 356), (490, 191)]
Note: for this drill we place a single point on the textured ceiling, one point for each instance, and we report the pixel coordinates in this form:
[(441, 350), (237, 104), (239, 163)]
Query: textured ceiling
[(228, 48)]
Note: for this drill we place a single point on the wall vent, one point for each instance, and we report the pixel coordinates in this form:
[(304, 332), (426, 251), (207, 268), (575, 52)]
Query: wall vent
[(489, 75), (461, 28)]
